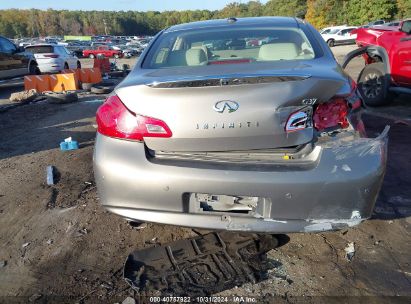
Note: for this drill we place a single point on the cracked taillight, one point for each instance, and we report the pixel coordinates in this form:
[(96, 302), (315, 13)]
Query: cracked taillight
[(115, 120), (331, 114)]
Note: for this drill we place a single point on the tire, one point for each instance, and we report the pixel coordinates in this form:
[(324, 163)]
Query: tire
[(66, 66), (101, 89), (59, 98), (373, 84), (331, 42), (78, 64), (34, 69), (91, 56)]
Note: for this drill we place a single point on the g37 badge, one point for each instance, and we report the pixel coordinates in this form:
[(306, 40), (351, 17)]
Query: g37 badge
[(309, 101)]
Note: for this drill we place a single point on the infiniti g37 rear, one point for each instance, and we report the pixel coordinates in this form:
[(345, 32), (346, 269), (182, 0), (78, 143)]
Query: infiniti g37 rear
[(213, 132)]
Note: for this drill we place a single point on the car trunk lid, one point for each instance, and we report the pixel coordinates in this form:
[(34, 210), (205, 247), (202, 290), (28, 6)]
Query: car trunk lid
[(231, 111)]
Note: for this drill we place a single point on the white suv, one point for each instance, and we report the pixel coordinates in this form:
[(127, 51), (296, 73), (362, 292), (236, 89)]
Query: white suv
[(326, 30), (53, 58), (340, 35)]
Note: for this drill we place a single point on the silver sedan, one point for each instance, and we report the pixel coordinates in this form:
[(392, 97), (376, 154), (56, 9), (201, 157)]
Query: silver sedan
[(238, 124)]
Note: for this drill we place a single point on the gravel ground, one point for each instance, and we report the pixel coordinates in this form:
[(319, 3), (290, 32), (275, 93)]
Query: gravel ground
[(58, 243)]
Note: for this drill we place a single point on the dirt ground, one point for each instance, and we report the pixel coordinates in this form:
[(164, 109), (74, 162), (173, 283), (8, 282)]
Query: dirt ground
[(59, 245)]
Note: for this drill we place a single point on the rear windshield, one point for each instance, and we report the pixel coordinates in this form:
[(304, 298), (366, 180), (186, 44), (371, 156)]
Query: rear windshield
[(228, 46), (40, 49)]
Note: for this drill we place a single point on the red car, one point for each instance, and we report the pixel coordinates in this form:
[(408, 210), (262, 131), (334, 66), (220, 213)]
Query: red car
[(104, 50), (387, 55)]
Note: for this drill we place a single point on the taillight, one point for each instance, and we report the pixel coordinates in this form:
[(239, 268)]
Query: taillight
[(115, 120), (51, 56), (331, 114)]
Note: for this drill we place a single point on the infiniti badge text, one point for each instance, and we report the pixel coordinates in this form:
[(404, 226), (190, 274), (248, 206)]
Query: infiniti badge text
[(227, 125)]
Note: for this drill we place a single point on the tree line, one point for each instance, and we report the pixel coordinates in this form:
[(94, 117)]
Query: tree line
[(34, 23)]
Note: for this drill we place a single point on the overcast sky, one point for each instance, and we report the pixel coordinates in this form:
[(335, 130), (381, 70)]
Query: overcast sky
[(119, 5)]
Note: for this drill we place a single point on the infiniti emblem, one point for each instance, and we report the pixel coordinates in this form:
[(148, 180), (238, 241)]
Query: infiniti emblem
[(222, 105)]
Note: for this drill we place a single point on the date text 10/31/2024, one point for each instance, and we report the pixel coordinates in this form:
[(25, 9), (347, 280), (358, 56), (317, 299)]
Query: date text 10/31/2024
[(210, 299)]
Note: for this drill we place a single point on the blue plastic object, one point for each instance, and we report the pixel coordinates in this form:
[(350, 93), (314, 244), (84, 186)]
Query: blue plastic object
[(68, 145), (73, 145)]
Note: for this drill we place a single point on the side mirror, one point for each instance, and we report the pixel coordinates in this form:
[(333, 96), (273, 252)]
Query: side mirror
[(406, 27)]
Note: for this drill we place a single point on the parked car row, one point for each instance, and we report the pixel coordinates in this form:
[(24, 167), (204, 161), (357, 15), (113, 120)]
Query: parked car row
[(52, 54), (113, 46)]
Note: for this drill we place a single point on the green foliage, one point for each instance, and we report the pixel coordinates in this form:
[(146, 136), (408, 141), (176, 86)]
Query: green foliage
[(294, 8), (321, 13), (316, 13), (362, 11), (404, 8)]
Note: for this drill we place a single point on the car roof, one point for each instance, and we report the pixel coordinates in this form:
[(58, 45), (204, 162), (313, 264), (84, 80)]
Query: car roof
[(263, 21)]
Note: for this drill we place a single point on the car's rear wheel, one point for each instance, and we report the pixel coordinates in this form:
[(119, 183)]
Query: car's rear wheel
[(78, 64), (330, 42), (373, 84), (66, 66), (91, 56)]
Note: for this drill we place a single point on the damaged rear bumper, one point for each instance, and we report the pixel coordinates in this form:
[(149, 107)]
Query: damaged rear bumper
[(335, 188), (226, 222)]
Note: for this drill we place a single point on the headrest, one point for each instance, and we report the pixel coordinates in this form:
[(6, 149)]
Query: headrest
[(278, 51)]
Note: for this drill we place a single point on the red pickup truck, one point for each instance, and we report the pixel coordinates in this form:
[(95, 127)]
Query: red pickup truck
[(387, 55), (104, 50)]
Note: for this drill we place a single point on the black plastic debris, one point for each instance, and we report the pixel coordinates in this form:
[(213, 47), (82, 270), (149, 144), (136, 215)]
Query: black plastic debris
[(202, 265)]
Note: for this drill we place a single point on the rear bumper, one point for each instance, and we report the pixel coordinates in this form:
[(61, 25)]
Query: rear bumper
[(337, 189), (51, 67)]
